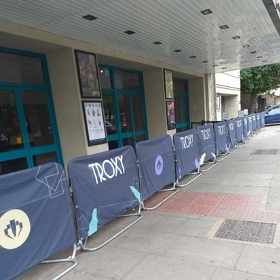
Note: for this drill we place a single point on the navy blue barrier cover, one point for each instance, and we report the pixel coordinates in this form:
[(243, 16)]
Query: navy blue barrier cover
[(254, 122), (263, 119), (239, 130), (206, 141), (250, 124), (258, 123), (36, 218), (187, 152), (105, 185), (157, 165), (231, 132), (245, 126), (220, 129)]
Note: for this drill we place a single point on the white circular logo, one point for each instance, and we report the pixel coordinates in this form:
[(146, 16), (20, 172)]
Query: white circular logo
[(14, 229)]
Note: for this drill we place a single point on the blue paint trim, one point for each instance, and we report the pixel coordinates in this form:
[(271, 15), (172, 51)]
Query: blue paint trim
[(28, 152)]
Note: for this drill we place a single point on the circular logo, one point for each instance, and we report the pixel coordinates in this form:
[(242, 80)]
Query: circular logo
[(159, 165), (14, 229)]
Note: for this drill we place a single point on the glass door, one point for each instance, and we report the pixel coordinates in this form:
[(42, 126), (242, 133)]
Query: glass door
[(27, 129), (124, 106)]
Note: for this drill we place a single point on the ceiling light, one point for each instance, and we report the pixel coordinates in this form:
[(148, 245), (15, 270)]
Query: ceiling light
[(246, 46), (205, 61), (192, 56), (224, 27), (253, 52), (264, 61), (206, 12), (236, 37), (129, 32), (215, 65), (90, 17), (157, 43), (259, 56), (101, 71), (224, 68), (177, 50)]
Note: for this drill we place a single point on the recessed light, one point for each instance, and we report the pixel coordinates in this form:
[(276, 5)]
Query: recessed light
[(264, 61), (253, 52), (224, 68), (259, 56), (246, 46), (224, 26), (90, 17), (177, 50), (129, 32), (205, 61), (215, 65), (192, 56), (236, 37), (206, 12), (157, 43)]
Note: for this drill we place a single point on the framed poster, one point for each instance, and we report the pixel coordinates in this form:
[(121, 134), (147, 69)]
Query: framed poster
[(240, 114), (168, 84), (88, 74), (94, 122), (170, 115), (225, 115)]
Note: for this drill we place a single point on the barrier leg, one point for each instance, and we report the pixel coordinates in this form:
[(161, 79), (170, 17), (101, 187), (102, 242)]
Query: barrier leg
[(214, 162), (83, 243), (71, 258), (173, 188), (225, 155), (198, 174)]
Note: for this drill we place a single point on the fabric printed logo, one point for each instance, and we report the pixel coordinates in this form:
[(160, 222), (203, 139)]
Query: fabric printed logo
[(14, 229), (158, 165), (245, 121), (254, 118), (230, 126), (238, 123), (187, 141), (108, 169), (221, 129), (206, 134), (258, 117)]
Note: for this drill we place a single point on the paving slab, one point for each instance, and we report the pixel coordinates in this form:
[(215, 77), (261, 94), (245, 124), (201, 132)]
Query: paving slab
[(155, 267), (229, 274), (210, 252), (259, 260)]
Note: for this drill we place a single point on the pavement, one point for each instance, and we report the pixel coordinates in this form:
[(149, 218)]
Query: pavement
[(178, 240)]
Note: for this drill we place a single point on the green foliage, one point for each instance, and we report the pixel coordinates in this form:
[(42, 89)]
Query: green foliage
[(261, 79)]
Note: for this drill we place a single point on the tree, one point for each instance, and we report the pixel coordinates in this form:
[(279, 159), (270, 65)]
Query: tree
[(260, 80)]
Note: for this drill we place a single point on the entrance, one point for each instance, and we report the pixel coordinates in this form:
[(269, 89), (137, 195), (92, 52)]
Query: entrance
[(124, 106), (27, 123)]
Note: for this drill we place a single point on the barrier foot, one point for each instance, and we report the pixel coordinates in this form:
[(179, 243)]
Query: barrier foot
[(72, 259), (225, 155), (198, 174), (235, 148), (173, 188), (214, 162), (83, 244)]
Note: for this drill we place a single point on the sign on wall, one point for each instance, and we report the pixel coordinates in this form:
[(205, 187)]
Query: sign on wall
[(94, 122), (168, 84), (170, 115)]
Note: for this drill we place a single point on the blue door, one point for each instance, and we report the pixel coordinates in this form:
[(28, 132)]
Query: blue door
[(124, 106), (28, 128), (182, 115)]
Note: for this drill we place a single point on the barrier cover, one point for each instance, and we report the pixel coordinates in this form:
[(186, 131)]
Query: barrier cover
[(105, 185), (231, 132), (258, 121), (239, 130), (187, 152), (36, 219), (254, 122), (262, 119), (220, 129), (250, 125), (157, 165), (245, 126), (206, 142)]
